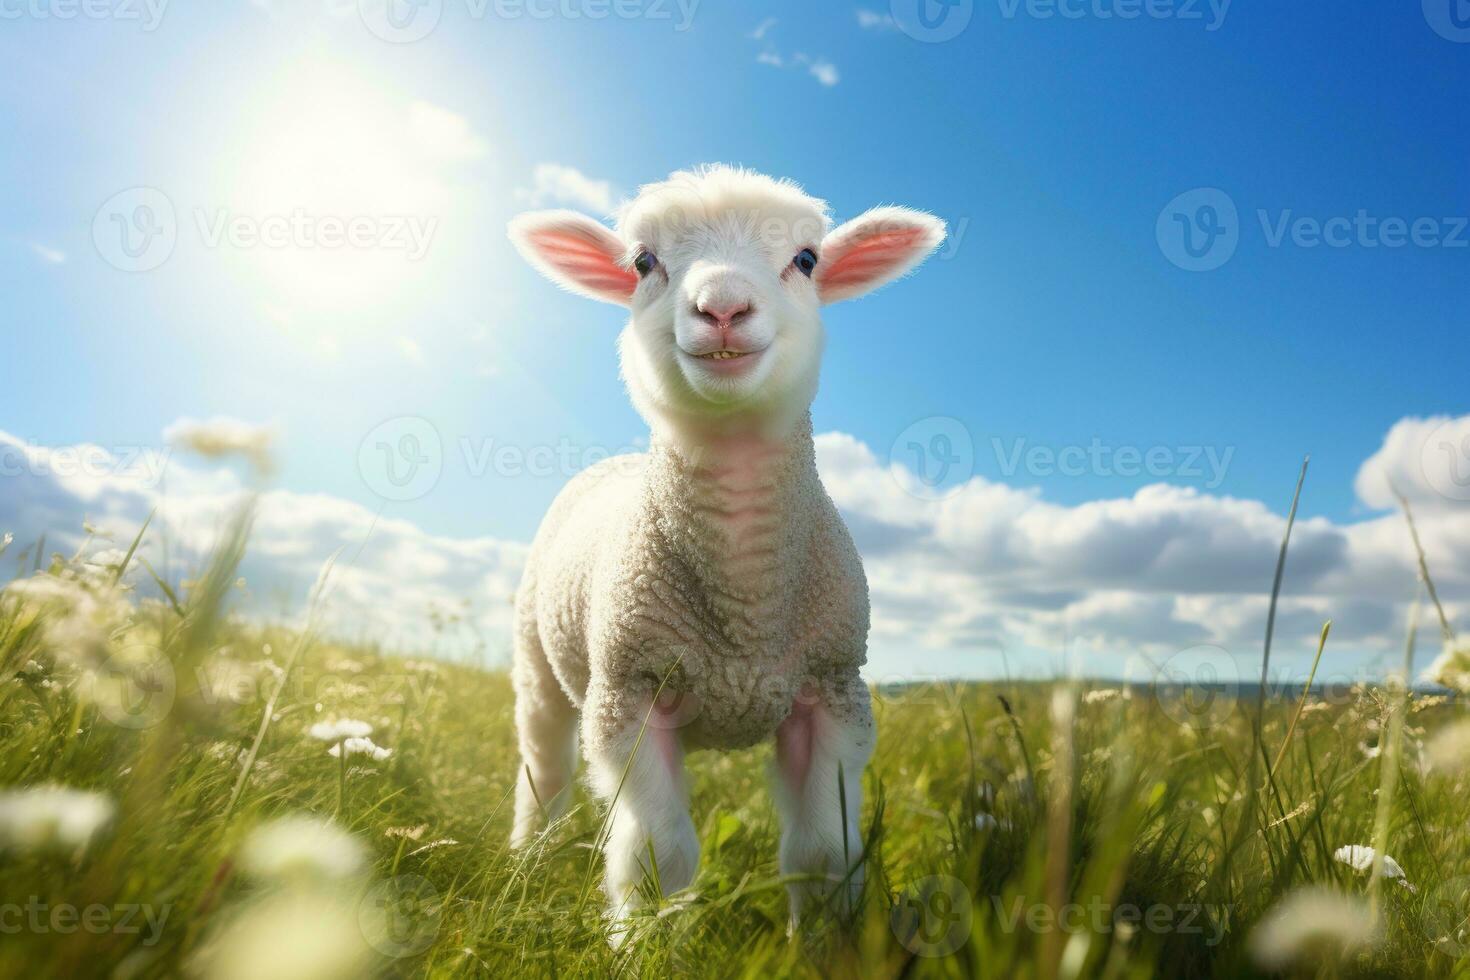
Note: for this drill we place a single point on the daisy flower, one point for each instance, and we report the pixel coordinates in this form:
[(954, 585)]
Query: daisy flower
[(360, 746), (298, 847), (220, 437), (52, 818), (1311, 924), (339, 730), (1360, 858)]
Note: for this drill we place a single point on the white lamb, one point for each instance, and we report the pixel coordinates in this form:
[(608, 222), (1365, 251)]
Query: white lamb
[(715, 563)]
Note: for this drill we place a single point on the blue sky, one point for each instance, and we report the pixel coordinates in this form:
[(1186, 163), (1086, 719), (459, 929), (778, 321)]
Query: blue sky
[(1051, 144)]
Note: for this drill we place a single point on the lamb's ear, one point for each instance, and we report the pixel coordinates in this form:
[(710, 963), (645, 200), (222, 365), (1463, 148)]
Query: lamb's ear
[(576, 253), (874, 248)]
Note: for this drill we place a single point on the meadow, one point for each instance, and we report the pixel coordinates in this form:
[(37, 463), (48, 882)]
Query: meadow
[(186, 793)]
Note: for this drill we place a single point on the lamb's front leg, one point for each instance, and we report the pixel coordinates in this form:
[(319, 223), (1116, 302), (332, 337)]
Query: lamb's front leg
[(650, 826), (822, 735)]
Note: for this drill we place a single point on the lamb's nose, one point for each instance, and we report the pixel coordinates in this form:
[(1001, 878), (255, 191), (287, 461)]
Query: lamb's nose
[(724, 314)]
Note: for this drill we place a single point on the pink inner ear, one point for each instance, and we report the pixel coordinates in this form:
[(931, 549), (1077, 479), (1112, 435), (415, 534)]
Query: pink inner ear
[(584, 262), (871, 258)]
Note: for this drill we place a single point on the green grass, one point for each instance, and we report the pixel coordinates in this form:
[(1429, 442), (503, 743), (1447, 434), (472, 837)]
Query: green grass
[(987, 807)]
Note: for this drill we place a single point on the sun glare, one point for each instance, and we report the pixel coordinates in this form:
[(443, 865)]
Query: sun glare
[(339, 191)]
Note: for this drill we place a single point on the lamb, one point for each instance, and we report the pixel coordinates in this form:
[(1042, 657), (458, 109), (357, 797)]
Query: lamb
[(705, 594)]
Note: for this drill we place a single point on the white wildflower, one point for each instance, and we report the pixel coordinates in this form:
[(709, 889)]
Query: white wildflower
[(6, 541), (360, 746), (79, 621), (340, 729), (52, 818), (289, 936), (1449, 749), (1311, 924), (110, 558), (407, 833), (441, 842), (1360, 858), (300, 847), (219, 437), (1101, 696), (1452, 667)]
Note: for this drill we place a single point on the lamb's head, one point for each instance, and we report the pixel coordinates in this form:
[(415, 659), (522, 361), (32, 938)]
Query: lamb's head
[(725, 271)]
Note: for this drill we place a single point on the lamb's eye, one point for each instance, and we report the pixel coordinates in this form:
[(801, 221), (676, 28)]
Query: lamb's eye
[(806, 261), (645, 261)]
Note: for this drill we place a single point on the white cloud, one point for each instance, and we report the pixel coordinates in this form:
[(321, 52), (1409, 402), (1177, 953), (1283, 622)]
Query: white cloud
[(824, 72), (819, 68), (561, 184), (1426, 459), (871, 20), (387, 590), (992, 568), (442, 134), (47, 254)]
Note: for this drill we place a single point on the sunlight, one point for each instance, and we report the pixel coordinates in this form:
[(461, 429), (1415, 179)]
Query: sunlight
[(340, 189)]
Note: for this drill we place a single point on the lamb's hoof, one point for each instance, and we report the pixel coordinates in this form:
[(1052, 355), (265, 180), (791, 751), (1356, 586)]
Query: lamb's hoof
[(619, 929)]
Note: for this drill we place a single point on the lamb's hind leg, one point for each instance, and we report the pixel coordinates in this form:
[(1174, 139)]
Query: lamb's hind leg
[(650, 830), (820, 836), (546, 723)]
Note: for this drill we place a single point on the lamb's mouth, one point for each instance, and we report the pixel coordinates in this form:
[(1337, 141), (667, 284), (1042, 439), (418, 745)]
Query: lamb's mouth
[(724, 360), (725, 355)]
